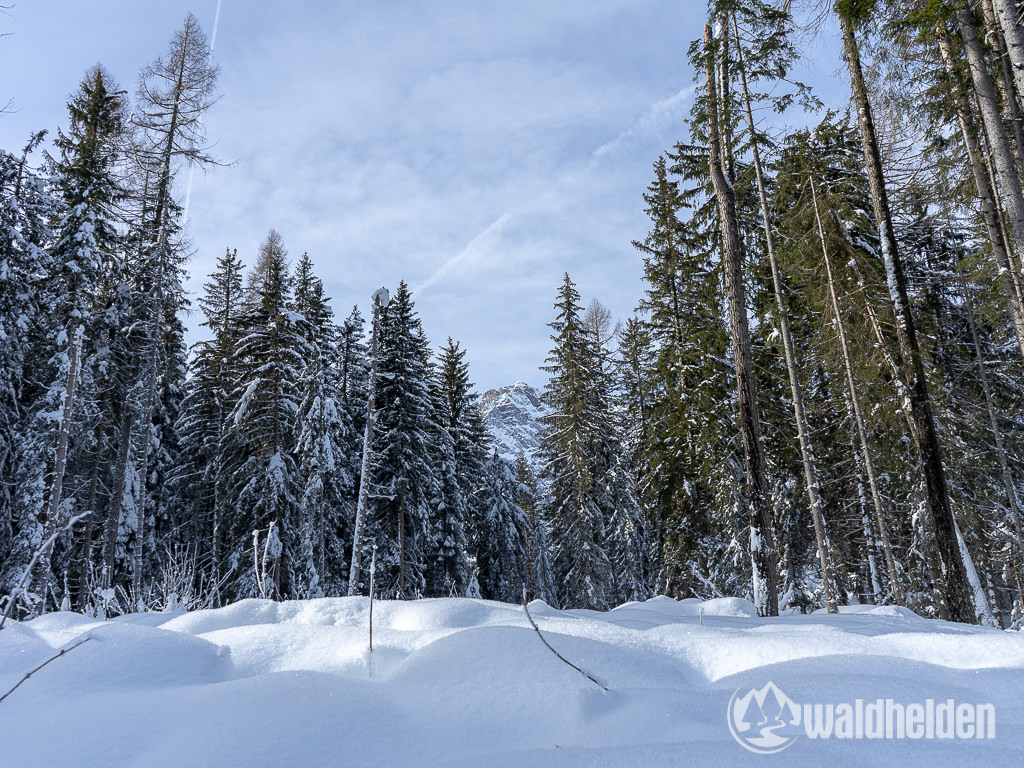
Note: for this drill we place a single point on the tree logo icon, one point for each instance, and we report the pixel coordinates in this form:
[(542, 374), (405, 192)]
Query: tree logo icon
[(763, 720)]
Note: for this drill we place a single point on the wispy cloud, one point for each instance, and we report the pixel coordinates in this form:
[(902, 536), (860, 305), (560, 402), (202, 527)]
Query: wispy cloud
[(660, 114), (481, 244)]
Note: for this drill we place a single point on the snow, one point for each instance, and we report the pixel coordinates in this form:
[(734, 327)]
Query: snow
[(463, 682), (513, 415)]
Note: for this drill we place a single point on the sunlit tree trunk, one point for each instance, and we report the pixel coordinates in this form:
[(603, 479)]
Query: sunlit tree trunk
[(958, 590), (762, 546)]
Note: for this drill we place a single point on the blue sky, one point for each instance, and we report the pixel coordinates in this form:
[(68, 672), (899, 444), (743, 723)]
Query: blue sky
[(477, 150)]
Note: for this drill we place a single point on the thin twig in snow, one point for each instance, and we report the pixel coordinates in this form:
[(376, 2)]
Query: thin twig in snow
[(560, 656), (52, 658)]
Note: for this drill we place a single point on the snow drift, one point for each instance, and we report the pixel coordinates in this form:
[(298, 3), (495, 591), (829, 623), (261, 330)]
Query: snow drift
[(459, 682)]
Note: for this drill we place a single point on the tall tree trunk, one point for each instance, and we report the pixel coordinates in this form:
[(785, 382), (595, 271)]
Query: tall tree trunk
[(1009, 22), (920, 403), (49, 519), (1012, 502), (989, 210), (401, 546), (364, 476), (762, 545), (113, 520), (981, 605), (870, 545), (932, 561), (795, 388), (999, 145), (1007, 86), (83, 594), (985, 546), (854, 403)]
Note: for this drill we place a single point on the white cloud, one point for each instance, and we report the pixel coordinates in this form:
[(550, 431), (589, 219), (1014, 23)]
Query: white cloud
[(663, 113)]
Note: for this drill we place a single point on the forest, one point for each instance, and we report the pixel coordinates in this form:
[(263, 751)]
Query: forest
[(817, 402)]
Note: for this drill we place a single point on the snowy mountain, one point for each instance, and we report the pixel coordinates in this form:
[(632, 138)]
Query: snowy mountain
[(460, 683), (512, 414)]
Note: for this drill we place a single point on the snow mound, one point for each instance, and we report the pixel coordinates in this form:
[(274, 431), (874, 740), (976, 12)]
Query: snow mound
[(469, 682)]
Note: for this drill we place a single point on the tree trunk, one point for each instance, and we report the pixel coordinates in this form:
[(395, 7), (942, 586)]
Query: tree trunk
[(364, 477), (870, 545), (48, 520), (1007, 89), (401, 546), (113, 521), (999, 145), (1009, 22), (762, 545), (958, 590), (981, 605), (854, 403), (85, 569), (795, 388), (1012, 502), (989, 210)]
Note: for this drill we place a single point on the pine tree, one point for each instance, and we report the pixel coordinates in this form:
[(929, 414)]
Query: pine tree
[(198, 481), (502, 535), (925, 434), (572, 447), (761, 534), (540, 575), (26, 210), (402, 478), (173, 96), (260, 437), (326, 509), (690, 443), (85, 237)]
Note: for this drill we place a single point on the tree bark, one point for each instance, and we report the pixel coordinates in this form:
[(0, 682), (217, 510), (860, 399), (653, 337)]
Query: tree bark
[(762, 545), (1008, 14), (989, 210), (958, 590), (48, 520), (113, 521), (999, 145), (364, 478), (1012, 502), (795, 388), (1007, 87), (854, 402)]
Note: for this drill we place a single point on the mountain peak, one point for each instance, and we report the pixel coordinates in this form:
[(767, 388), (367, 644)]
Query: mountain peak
[(513, 416)]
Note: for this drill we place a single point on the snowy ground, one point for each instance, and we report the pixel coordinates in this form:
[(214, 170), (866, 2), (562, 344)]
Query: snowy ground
[(469, 683)]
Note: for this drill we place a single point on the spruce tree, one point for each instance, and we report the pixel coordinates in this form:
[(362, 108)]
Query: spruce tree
[(325, 434), (86, 237), (402, 477), (260, 438), (573, 450)]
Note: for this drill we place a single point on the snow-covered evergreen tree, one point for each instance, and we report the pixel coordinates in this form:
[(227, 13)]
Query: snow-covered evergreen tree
[(85, 237), (260, 436), (573, 446), (198, 481), (326, 509), (402, 476), (26, 210)]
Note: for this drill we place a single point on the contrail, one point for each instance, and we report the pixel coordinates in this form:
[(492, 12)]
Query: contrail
[(192, 170), (665, 111), (216, 23), (468, 252)]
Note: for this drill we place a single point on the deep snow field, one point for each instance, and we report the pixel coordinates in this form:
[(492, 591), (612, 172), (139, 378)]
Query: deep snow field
[(462, 682)]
